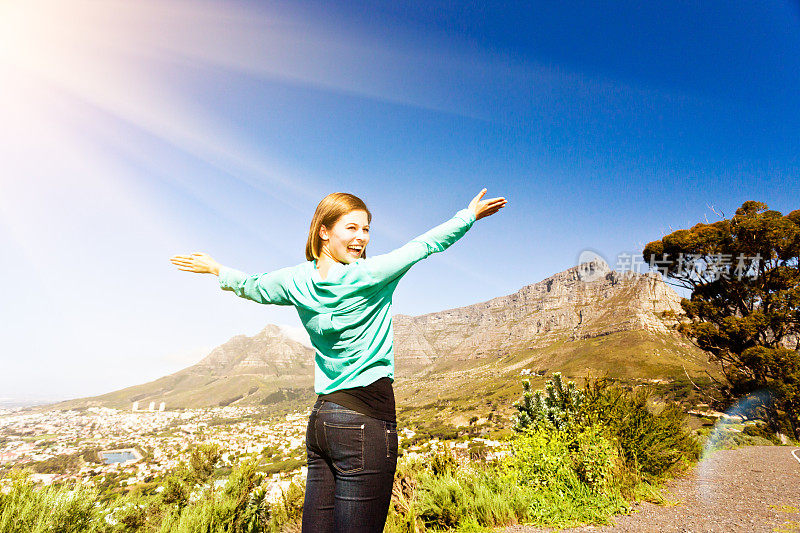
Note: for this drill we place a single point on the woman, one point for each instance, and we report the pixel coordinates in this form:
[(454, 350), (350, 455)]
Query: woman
[(344, 301)]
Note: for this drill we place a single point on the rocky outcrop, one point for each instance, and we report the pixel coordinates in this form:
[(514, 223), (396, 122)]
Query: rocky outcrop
[(584, 301)]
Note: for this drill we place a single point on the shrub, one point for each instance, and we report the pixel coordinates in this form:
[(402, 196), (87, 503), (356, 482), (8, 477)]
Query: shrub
[(444, 462), (558, 405), (442, 501), (202, 461), (287, 512), (402, 510), (65, 509), (654, 440), (131, 513), (60, 464), (541, 459), (175, 492), (597, 461)]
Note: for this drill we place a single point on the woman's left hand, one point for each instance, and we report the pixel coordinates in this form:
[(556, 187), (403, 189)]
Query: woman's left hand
[(199, 262), (485, 208)]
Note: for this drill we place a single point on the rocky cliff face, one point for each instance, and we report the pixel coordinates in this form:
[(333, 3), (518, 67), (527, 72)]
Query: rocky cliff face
[(585, 301)]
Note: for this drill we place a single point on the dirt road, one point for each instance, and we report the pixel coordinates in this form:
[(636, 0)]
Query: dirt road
[(752, 489)]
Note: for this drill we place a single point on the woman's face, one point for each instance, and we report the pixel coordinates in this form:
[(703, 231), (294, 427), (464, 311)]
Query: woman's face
[(346, 240)]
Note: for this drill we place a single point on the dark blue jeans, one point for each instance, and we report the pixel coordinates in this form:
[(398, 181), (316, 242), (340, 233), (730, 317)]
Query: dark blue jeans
[(351, 462)]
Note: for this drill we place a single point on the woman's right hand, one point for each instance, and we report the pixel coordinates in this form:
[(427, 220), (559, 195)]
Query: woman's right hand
[(485, 208), (196, 262)]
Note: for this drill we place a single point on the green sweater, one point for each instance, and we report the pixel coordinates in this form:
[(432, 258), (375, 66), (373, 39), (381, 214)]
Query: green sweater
[(347, 315)]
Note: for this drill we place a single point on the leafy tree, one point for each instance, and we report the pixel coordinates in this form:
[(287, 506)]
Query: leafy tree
[(744, 308)]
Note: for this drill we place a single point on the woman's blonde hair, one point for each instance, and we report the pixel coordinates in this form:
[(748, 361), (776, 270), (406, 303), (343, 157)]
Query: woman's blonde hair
[(330, 209)]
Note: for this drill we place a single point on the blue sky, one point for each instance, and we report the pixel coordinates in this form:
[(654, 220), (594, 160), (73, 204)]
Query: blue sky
[(132, 131)]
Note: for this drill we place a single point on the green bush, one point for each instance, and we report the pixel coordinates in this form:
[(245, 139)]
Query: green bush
[(175, 492), (402, 510), (60, 464), (53, 509), (723, 437), (286, 465), (444, 462), (230, 509), (654, 440), (542, 460), (202, 461), (597, 461), (287, 512), (558, 405)]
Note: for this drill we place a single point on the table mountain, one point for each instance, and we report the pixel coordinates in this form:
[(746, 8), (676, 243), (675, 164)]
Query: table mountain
[(582, 302), (587, 319)]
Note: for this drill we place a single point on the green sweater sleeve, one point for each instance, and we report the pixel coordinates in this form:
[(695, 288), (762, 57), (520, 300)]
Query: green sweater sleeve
[(267, 288), (396, 263)]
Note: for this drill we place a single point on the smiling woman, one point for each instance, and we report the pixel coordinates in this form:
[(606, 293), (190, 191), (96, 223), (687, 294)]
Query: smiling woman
[(339, 231), (344, 301)]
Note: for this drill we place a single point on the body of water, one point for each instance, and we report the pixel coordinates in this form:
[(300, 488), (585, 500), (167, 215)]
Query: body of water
[(119, 456)]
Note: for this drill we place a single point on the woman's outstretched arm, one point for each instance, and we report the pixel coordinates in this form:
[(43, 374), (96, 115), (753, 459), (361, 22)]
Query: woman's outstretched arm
[(262, 288), (396, 263)]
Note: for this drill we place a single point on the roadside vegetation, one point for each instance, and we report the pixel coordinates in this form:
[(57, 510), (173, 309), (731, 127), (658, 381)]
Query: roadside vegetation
[(577, 455)]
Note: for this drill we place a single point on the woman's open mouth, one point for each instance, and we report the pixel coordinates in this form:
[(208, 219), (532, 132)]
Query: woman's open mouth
[(355, 249)]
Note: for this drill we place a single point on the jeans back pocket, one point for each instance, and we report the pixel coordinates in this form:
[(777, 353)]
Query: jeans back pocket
[(345, 446)]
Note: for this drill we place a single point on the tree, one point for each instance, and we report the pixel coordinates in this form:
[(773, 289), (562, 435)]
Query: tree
[(744, 308)]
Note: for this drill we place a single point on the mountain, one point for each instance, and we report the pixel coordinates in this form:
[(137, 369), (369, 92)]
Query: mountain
[(587, 319), (265, 369), (583, 302)]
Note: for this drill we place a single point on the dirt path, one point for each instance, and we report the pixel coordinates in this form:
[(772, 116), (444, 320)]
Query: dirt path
[(750, 489)]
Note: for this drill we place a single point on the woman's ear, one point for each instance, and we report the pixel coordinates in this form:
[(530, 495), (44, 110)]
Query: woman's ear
[(323, 233)]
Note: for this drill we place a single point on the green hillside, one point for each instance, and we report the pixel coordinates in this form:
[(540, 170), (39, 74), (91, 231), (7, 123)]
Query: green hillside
[(453, 392)]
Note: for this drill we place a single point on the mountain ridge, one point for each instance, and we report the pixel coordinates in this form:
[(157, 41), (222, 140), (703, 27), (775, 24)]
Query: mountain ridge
[(582, 318)]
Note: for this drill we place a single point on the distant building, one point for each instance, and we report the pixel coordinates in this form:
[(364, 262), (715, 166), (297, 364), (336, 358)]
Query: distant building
[(135, 406), (162, 406), (152, 406)]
